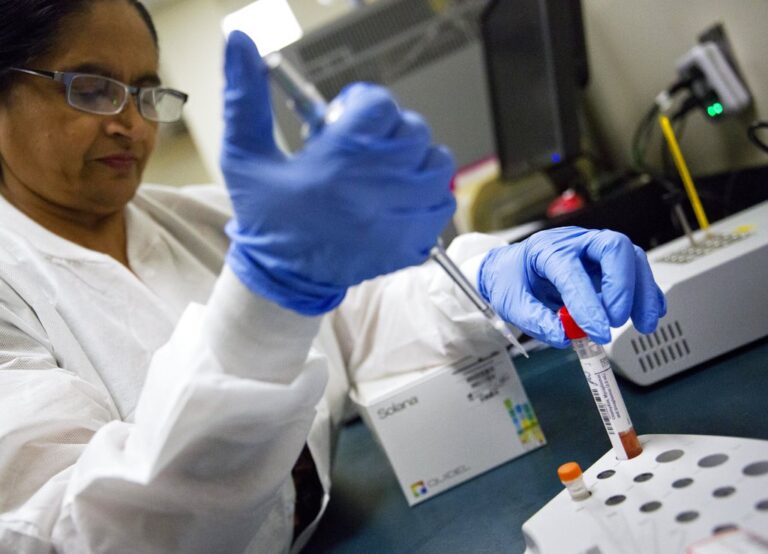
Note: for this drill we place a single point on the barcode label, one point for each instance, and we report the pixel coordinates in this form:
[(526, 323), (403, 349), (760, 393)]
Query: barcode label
[(605, 391), (602, 409), (486, 377)]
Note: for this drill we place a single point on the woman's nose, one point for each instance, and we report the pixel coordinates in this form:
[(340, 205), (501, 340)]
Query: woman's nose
[(130, 123)]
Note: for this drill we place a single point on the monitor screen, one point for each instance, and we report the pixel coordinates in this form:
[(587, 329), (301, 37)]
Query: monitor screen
[(536, 64)]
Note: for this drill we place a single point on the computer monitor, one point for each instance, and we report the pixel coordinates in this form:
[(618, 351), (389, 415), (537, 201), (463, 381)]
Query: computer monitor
[(536, 61)]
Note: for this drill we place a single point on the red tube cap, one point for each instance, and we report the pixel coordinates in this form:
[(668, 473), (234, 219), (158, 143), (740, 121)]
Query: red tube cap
[(572, 330)]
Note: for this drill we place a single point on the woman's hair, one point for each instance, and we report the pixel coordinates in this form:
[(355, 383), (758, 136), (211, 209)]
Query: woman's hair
[(28, 29)]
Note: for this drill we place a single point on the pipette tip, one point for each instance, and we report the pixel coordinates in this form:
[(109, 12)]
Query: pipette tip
[(501, 326)]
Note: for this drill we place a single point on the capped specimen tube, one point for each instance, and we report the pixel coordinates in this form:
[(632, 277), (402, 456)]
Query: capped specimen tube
[(605, 390)]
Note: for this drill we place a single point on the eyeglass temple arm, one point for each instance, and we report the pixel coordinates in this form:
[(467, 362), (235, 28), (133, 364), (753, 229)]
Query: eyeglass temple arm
[(50, 74)]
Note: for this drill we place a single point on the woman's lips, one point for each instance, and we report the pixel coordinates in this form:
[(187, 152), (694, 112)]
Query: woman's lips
[(120, 162)]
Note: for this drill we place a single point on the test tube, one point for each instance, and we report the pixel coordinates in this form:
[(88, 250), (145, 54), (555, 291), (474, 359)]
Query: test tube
[(571, 476), (605, 390)]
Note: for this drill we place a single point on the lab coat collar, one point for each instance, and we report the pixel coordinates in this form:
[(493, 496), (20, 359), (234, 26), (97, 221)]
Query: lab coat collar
[(55, 247)]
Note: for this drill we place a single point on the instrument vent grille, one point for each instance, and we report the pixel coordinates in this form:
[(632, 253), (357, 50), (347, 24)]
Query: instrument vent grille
[(664, 346)]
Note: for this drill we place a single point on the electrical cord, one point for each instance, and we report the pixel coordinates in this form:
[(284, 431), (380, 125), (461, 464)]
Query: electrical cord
[(752, 134), (644, 131), (641, 137)]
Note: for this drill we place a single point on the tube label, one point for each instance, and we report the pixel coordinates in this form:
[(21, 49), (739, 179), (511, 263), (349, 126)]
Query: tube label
[(605, 391)]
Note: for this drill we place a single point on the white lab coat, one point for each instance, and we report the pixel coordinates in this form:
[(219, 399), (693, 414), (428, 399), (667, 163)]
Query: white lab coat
[(161, 410)]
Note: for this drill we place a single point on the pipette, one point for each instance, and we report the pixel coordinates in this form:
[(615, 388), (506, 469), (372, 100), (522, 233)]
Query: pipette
[(313, 110), (440, 256), (303, 96)]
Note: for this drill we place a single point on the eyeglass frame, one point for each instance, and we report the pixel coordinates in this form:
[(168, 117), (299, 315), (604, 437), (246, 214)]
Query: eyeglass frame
[(66, 78)]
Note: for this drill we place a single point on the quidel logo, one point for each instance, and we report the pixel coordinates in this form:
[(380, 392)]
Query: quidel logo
[(420, 488), (396, 407), (447, 476)]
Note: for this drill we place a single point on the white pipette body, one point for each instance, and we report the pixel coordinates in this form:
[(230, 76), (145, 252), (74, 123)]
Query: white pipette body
[(440, 256)]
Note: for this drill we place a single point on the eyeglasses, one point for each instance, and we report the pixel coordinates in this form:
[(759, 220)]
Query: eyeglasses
[(104, 96)]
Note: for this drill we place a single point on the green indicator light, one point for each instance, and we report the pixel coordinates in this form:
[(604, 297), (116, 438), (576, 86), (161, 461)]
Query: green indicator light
[(715, 109)]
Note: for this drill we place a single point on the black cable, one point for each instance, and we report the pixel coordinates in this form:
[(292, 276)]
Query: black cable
[(752, 134), (642, 135), (688, 104)]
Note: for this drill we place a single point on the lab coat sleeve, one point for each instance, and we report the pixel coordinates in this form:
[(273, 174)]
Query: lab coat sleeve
[(416, 318), (225, 410)]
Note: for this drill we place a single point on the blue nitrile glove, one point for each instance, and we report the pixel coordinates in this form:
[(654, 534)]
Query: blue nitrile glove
[(600, 276), (367, 195)]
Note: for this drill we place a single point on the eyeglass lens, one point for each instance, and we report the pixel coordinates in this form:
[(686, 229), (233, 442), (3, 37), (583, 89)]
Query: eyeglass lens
[(96, 95), (104, 96), (160, 104)]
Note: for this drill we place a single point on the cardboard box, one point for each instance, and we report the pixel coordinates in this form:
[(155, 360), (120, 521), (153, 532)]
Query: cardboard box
[(447, 425)]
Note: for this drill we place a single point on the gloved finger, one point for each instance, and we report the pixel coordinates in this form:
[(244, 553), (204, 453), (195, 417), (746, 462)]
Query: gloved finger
[(420, 188), (413, 138), (368, 112), (422, 227), (539, 322), (406, 149), (247, 107), (429, 185), (580, 297), (649, 303), (439, 159), (413, 128), (615, 254), (546, 293)]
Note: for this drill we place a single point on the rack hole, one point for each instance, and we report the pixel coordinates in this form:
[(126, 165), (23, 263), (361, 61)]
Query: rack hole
[(713, 460), (756, 469), (682, 483), (651, 506), (686, 517), (670, 456), (723, 492)]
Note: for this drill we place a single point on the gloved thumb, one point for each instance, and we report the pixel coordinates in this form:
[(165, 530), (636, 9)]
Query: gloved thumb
[(247, 107)]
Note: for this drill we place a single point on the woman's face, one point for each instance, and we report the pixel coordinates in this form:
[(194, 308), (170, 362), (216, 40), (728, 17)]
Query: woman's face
[(68, 161)]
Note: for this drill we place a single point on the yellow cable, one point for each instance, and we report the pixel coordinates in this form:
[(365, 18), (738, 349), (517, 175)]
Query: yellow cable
[(682, 169)]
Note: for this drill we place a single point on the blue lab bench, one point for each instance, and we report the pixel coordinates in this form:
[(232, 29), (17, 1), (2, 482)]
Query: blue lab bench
[(368, 513)]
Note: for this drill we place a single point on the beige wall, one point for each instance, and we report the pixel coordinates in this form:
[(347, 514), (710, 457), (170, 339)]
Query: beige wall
[(192, 47), (176, 160), (633, 46)]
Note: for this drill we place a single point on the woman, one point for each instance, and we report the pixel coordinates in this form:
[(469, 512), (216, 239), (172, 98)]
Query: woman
[(159, 378)]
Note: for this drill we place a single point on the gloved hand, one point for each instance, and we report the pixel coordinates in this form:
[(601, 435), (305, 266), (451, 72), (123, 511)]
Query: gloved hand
[(600, 276), (366, 196)]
